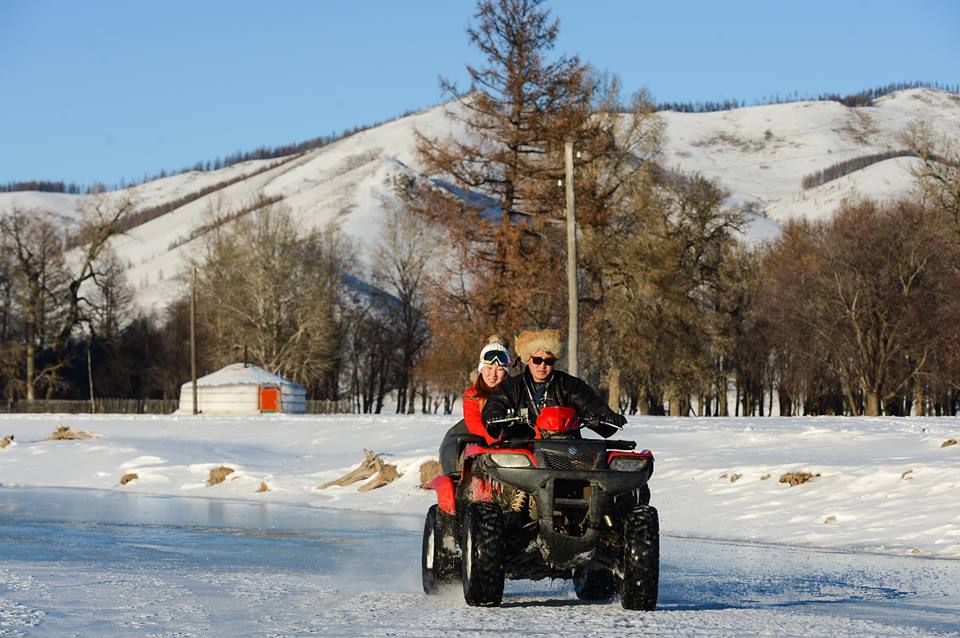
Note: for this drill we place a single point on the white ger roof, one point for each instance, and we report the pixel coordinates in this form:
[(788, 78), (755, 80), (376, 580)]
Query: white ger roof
[(238, 374)]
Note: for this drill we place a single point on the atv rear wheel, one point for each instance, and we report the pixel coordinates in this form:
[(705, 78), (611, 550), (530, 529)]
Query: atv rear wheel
[(482, 561), (599, 584), (641, 559), (438, 560)]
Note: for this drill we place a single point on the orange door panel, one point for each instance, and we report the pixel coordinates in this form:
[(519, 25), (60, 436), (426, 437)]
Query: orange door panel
[(269, 399)]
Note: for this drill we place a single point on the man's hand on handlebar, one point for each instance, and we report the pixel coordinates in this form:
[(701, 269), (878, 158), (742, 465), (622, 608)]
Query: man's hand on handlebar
[(607, 424), (496, 427), (615, 419)]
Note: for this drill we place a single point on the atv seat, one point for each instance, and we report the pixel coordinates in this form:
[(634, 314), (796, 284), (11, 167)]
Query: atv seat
[(451, 448)]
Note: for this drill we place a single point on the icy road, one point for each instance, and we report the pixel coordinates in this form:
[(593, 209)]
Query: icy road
[(89, 563)]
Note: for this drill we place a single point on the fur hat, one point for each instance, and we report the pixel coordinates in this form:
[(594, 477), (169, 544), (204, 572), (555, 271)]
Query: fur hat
[(530, 341)]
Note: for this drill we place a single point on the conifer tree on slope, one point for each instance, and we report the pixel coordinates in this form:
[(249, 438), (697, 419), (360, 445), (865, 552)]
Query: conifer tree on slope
[(514, 117)]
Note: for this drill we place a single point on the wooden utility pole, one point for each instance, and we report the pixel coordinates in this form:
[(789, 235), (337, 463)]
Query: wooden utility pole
[(93, 405), (193, 338), (572, 323)]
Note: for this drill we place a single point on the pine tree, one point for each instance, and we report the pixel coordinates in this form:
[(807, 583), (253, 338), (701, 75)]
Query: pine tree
[(500, 199)]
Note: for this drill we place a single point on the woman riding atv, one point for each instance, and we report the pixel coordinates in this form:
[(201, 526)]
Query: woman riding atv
[(491, 371)]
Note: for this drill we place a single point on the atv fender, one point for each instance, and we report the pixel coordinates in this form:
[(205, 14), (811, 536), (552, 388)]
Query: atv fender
[(446, 493)]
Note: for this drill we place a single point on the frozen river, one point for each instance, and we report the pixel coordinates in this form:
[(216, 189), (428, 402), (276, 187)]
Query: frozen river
[(90, 563)]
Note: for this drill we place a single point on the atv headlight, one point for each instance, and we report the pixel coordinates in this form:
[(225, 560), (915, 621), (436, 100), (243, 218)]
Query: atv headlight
[(510, 459), (628, 463)]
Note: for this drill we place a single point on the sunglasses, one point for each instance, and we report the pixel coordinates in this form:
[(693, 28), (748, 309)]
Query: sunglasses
[(547, 361), (496, 358)]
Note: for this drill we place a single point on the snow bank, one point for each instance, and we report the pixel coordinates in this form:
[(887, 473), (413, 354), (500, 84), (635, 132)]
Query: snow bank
[(883, 485)]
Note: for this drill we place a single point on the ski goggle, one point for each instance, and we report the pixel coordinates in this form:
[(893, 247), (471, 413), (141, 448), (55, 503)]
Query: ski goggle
[(496, 358)]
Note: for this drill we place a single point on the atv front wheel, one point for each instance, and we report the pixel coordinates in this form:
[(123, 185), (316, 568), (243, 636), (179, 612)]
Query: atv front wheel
[(482, 561), (599, 584), (641, 559), (438, 560)]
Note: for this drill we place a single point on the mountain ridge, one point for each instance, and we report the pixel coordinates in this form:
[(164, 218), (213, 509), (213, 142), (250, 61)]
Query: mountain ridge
[(760, 154)]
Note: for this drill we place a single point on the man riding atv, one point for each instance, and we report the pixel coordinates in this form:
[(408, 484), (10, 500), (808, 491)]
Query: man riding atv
[(541, 385), (540, 501)]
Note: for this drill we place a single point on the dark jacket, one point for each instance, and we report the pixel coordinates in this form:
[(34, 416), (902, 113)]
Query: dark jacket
[(562, 389)]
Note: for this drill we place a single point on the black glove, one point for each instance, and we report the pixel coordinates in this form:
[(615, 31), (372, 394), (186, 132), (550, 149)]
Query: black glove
[(494, 429), (601, 425), (615, 418)]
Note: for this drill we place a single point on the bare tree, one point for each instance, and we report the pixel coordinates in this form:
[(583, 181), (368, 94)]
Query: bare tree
[(938, 173), (268, 286), (670, 246), (101, 219), (873, 297), (615, 147), (51, 286), (34, 243), (400, 271), (111, 300), (887, 270), (780, 329), (9, 320)]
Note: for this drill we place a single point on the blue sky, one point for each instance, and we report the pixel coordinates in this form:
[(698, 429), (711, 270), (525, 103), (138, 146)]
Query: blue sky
[(109, 90)]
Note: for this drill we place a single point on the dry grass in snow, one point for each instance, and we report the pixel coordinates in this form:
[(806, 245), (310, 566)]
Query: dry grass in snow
[(219, 475)]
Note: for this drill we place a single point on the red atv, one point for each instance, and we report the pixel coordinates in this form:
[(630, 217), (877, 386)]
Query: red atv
[(551, 506)]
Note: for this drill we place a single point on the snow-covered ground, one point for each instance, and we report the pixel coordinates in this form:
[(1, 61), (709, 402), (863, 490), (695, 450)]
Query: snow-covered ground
[(101, 563), (880, 485), (742, 554)]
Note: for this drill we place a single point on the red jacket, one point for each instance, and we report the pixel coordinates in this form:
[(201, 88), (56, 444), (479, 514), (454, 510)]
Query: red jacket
[(472, 408)]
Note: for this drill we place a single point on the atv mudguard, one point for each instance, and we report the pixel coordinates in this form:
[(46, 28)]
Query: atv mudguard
[(446, 493)]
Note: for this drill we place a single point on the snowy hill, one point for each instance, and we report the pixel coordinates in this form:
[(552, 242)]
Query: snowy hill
[(760, 154)]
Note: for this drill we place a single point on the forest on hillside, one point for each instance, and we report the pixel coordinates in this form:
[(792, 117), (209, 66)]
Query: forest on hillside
[(853, 315)]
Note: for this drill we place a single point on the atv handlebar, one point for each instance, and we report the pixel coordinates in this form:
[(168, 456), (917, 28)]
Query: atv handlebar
[(594, 421), (598, 424), (522, 418), (510, 420), (496, 427)]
